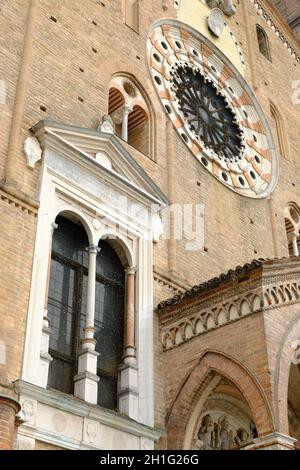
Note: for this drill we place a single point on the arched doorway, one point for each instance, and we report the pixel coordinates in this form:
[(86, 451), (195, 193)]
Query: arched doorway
[(294, 400), (220, 405), (222, 421)]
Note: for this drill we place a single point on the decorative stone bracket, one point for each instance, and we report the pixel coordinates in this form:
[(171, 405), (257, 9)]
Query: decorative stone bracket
[(32, 151), (225, 5)]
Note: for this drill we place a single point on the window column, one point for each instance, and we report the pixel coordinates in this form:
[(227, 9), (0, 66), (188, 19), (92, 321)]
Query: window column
[(45, 357), (86, 381), (128, 389), (295, 244)]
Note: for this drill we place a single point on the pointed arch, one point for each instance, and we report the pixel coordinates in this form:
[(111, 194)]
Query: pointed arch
[(263, 42), (279, 127), (284, 360), (210, 364)]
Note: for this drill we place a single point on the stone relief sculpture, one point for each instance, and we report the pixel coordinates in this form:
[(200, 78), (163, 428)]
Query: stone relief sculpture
[(205, 434), (219, 434)]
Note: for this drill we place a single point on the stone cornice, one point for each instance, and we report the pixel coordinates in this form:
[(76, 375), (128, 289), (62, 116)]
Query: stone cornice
[(19, 199), (171, 280)]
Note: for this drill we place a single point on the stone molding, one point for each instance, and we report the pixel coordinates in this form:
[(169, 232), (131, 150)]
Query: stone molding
[(60, 402), (19, 204)]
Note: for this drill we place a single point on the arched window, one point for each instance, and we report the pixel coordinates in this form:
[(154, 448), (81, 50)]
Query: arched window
[(109, 322), (116, 104), (67, 307), (278, 129), (292, 227), (132, 115), (132, 14), (66, 301), (138, 129), (263, 42)]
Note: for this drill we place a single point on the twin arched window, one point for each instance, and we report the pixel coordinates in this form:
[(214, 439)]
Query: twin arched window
[(67, 310), (132, 115)]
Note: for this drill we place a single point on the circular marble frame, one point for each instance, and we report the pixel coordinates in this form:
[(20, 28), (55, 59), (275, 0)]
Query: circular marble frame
[(171, 42)]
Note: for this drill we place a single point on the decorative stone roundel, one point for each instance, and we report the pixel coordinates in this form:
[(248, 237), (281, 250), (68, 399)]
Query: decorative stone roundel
[(212, 108)]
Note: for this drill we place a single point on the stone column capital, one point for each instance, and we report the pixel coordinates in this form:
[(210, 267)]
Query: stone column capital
[(127, 109), (131, 270), (93, 249), (54, 226)]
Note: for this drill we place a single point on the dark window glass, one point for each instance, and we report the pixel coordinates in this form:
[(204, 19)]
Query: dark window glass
[(67, 305), (109, 323), (263, 43), (66, 293)]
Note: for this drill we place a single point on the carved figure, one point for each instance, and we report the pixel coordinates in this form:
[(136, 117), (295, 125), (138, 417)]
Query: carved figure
[(106, 125)]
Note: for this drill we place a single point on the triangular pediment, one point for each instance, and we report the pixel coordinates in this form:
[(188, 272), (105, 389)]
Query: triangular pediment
[(106, 151)]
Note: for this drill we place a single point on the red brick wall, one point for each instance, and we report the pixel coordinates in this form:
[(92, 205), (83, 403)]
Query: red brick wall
[(8, 411)]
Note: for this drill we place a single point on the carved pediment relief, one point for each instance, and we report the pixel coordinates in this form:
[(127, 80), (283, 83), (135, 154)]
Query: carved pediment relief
[(101, 150)]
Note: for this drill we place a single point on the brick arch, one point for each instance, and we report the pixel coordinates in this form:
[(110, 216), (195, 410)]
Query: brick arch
[(213, 363), (282, 372)]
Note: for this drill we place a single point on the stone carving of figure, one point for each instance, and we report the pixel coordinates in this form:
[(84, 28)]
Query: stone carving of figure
[(106, 125), (241, 438), (205, 433), (223, 423), (219, 435)]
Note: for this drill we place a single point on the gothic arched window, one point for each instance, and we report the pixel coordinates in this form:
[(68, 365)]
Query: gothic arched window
[(67, 307), (263, 43), (277, 123)]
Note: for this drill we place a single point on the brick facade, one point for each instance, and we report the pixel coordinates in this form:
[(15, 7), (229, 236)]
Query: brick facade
[(254, 352), (8, 409), (57, 62)]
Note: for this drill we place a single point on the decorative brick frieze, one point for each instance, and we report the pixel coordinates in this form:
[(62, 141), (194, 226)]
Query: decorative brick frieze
[(230, 300)]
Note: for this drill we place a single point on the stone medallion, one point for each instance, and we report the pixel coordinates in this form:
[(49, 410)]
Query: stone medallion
[(216, 21)]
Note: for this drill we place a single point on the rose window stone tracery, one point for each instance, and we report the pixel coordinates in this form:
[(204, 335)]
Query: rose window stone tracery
[(208, 113), (212, 108)]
